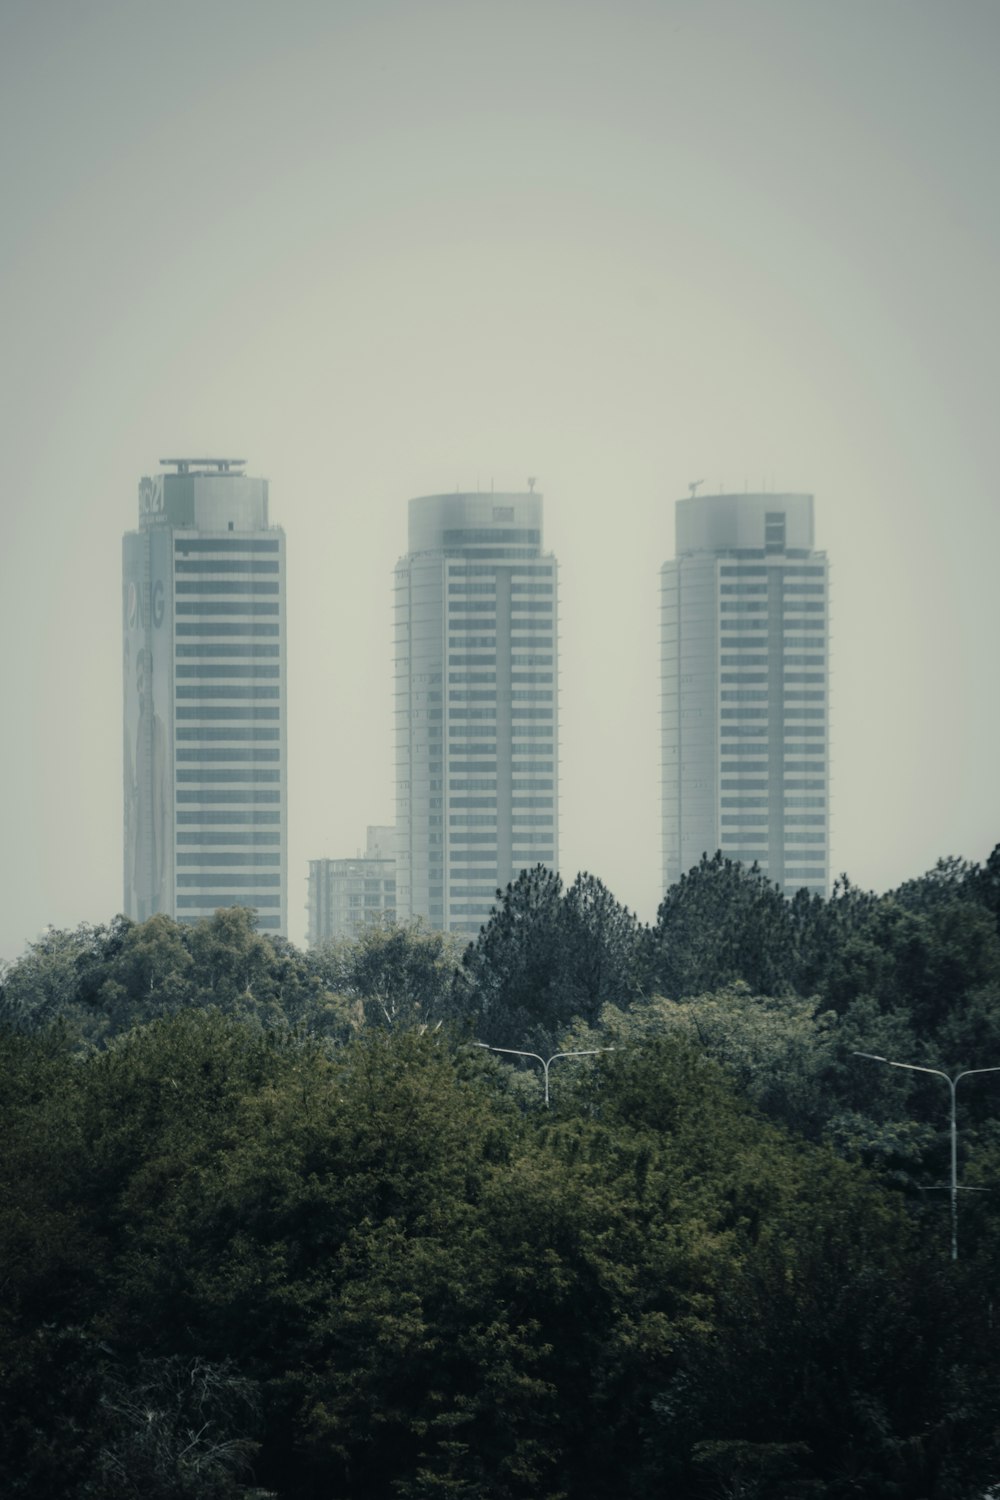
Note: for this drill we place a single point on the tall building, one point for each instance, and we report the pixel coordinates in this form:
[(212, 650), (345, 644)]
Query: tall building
[(204, 686), (476, 705), (346, 895), (745, 747)]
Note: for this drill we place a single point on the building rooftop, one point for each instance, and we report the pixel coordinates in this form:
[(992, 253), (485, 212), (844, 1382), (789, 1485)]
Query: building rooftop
[(203, 465)]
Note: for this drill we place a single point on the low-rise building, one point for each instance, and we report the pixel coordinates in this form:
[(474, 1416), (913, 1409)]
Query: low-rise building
[(345, 895)]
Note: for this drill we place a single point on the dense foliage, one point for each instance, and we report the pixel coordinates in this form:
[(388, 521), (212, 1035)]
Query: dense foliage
[(271, 1223)]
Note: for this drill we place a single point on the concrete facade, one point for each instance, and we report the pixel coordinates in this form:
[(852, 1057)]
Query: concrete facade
[(477, 748), (745, 689), (346, 895), (205, 755)]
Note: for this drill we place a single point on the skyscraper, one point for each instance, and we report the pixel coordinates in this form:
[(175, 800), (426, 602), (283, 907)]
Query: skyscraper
[(204, 689), (745, 747), (476, 705)]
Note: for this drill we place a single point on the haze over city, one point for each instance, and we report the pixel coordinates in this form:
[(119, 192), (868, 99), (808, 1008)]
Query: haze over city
[(382, 251)]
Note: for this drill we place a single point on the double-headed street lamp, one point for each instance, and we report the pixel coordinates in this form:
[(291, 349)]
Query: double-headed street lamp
[(952, 1083), (545, 1062)]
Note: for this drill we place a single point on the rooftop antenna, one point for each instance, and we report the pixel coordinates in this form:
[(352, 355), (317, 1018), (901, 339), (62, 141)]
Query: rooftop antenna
[(531, 484), (693, 486)]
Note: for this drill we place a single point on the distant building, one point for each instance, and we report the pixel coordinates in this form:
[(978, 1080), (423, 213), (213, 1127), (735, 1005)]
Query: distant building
[(345, 895), (203, 625), (745, 722), (477, 738)]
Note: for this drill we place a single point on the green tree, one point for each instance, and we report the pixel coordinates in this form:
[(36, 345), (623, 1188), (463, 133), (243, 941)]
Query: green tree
[(721, 922), (777, 1049), (546, 957), (398, 975)]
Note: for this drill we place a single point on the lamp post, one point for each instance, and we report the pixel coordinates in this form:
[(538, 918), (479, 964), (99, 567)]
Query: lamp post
[(952, 1083), (545, 1062)]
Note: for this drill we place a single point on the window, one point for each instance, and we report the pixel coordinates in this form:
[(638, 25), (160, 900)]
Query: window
[(774, 531), (469, 535)]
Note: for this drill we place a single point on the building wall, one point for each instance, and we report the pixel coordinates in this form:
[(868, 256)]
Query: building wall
[(745, 677), (476, 705), (204, 692), (348, 895)]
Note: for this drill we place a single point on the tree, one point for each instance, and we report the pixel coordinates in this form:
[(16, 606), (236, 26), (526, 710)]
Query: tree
[(721, 922), (545, 958), (61, 975), (399, 975), (777, 1049), (175, 1429)]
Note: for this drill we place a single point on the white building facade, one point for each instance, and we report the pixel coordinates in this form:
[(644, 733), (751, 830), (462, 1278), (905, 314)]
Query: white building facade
[(477, 747), (348, 895), (744, 610), (205, 755)]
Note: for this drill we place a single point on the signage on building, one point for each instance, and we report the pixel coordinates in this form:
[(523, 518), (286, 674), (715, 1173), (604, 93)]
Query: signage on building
[(150, 498)]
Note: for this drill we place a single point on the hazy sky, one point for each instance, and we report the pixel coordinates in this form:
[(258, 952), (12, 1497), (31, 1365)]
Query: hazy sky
[(387, 249)]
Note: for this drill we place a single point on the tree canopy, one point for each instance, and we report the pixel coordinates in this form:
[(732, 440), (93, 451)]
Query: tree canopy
[(270, 1223)]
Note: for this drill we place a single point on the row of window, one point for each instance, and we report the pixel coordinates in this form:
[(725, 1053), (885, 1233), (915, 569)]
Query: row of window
[(461, 610), (467, 536), (756, 695), (227, 563), (235, 754), (225, 607), (218, 797), (790, 731), (226, 629), (225, 544), (486, 570), (753, 630), (487, 695), (490, 712), (520, 859), (225, 650), (203, 670), (230, 713), (791, 709), (255, 771), (754, 759), (204, 838), (232, 732), (741, 570), (226, 690), (461, 742), (252, 858), (754, 820), (211, 901), (257, 587), (234, 816), (490, 800)]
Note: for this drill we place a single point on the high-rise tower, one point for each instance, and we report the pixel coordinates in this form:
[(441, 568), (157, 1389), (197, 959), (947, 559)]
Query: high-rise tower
[(476, 705), (745, 746), (204, 680)]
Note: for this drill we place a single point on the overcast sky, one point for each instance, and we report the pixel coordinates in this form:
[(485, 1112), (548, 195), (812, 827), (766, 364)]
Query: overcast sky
[(386, 249)]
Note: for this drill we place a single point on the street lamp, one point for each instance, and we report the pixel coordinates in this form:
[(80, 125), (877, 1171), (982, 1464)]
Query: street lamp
[(545, 1062), (953, 1086)]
